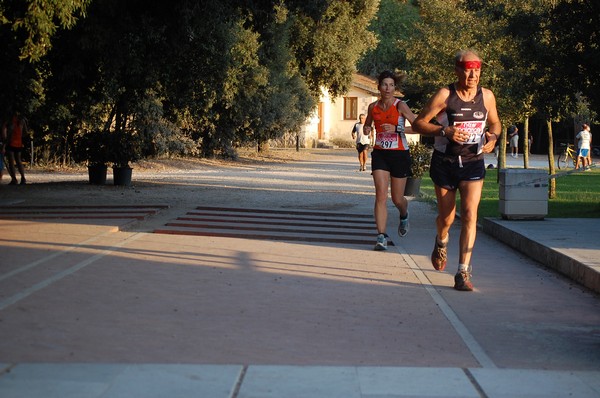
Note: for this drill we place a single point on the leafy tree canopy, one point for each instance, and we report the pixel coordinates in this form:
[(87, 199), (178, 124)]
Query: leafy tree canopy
[(35, 22), (217, 74)]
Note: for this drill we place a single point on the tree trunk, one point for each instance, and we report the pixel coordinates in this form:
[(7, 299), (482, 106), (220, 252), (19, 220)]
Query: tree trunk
[(68, 144), (552, 182), (263, 146), (501, 152), (526, 143)]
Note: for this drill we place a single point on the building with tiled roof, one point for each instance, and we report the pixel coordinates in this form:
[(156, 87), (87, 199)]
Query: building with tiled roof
[(335, 117)]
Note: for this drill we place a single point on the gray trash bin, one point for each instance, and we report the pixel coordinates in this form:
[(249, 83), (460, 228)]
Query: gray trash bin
[(523, 194)]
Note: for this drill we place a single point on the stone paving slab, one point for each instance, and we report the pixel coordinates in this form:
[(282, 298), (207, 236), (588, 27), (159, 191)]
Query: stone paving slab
[(119, 381), (525, 383), (261, 381)]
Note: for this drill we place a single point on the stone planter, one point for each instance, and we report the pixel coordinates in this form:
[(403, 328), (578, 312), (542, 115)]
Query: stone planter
[(97, 174), (413, 186), (122, 175)]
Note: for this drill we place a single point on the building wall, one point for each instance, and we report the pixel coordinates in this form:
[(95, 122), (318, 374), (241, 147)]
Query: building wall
[(334, 125), (339, 127)]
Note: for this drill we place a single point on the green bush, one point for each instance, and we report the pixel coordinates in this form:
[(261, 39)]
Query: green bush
[(420, 155)]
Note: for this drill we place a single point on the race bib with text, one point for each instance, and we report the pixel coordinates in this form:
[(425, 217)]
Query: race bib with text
[(386, 141), (475, 129)]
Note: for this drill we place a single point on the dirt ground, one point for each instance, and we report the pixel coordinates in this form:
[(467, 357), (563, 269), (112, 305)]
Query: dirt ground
[(253, 181), (50, 183)]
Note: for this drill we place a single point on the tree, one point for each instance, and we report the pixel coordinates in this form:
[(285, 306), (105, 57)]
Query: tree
[(328, 39), (394, 19), (574, 36), (34, 22), (552, 91), (220, 74), (285, 102)]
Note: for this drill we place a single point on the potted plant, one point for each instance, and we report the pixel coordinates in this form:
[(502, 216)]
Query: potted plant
[(420, 155), (94, 149), (124, 148)]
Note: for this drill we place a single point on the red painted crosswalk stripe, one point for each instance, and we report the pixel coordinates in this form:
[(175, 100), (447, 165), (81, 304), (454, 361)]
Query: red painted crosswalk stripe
[(275, 224)]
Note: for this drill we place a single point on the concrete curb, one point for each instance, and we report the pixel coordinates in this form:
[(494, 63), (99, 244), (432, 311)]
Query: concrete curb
[(574, 269)]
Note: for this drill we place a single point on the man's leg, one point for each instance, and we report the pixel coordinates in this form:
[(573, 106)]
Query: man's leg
[(587, 160), (446, 204), (470, 195), (363, 160), (446, 200)]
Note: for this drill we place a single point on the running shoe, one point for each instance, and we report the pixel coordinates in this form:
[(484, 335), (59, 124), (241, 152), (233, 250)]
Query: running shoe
[(439, 256), (462, 281), (381, 242), (404, 226)]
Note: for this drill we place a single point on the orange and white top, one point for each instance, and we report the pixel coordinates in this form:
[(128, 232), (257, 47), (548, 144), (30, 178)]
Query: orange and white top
[(389, 140)]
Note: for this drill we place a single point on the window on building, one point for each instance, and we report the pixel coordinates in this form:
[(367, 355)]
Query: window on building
[(350, 108)]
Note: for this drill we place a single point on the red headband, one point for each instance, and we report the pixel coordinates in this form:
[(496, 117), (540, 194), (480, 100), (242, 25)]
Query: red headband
[(469, 64)]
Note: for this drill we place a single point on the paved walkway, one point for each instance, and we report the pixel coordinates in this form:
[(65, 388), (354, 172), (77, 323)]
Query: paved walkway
[(182, 304)]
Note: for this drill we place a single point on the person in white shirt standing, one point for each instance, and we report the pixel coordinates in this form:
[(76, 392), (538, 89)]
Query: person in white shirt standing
[(584, 144), (362, 142)]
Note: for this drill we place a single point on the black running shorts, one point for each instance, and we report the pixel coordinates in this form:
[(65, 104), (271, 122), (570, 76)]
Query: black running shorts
[(396, 162), (447, 172), (362, 147)]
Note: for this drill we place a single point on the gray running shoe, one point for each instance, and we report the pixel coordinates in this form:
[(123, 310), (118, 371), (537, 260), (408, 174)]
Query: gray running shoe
[(381, 242), (404, 226)]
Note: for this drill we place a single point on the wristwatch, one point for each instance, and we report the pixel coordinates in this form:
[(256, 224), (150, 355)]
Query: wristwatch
[(442, 132)]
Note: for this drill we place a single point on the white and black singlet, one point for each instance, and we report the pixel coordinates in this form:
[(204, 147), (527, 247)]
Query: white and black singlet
[(470, 116)]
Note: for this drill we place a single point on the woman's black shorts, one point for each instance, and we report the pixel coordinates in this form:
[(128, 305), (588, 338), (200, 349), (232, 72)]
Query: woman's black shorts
[(397, 162)]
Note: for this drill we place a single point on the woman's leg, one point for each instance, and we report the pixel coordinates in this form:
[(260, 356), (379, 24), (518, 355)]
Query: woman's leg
[(381, 179), (20, 167), (398, 198), (10, 160)]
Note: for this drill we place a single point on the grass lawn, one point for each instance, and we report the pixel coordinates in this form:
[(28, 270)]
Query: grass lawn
[(577, 195)]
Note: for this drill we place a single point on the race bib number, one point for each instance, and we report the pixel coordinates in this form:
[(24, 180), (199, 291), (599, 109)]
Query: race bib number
[(475, 129), (387, 141)]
